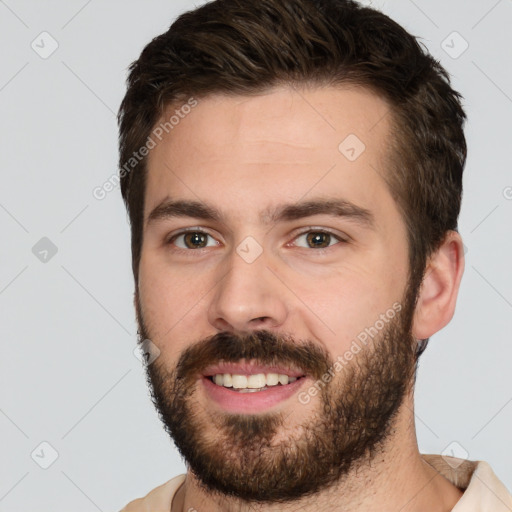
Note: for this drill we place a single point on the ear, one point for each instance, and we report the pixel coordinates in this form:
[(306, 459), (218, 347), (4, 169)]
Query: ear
[(135, 297), (136, 307), (440, 287)]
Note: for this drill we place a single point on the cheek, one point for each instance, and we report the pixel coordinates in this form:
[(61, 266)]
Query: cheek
[(171, 303), (337, 308)]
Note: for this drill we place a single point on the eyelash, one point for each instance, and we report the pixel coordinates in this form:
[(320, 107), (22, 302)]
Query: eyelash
[(183, 232), (310, 229), (319, 250)]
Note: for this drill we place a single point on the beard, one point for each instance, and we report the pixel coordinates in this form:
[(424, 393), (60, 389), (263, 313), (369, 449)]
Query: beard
[(261, 458)]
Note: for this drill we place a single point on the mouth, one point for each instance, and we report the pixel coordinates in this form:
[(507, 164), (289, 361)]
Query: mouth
[(252, 383), (250, 387)]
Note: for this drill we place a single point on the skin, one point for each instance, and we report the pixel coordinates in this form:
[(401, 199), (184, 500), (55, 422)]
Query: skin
[(244, 156)]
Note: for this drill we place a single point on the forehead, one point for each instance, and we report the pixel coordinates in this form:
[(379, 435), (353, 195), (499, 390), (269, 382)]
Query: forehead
[(243, 151)]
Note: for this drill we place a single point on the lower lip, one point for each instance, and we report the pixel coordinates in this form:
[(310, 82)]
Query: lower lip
[(252, 402)]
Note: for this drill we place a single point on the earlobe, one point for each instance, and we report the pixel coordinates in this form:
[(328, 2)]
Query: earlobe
[(136, 305), (438, 292), (135, 301)]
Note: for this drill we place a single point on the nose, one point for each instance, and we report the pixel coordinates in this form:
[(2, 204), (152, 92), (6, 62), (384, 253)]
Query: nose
[(248, 297)]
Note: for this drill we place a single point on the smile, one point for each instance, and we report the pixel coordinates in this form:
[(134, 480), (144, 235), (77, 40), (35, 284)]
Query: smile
[(250, 388), (252, 383)]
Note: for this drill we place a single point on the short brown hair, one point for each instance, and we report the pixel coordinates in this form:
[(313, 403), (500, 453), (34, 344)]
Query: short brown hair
[(245, 47)]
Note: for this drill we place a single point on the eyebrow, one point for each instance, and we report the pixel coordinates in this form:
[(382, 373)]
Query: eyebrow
[(334, 207), (169, 209)]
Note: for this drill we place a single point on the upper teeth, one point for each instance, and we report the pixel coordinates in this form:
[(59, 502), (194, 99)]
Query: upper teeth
[(260, 380)]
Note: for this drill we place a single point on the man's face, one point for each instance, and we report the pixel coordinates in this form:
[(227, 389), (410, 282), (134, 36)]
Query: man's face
[(279, 252)]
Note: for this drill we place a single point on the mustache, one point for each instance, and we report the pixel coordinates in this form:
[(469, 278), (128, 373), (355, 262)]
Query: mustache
[(263, 346)]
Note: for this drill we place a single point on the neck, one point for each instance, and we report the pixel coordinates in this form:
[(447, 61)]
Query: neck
[(396, 479)]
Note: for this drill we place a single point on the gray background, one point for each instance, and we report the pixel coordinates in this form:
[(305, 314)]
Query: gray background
[(68, 373)]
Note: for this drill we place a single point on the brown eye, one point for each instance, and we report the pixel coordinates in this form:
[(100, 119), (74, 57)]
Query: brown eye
[(318, 239), (193, 240)]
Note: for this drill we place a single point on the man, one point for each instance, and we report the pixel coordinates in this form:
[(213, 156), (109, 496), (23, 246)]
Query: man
[(293, 174)]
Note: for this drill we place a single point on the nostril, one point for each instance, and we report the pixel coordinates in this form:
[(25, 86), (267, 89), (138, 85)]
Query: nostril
[(260, 319)]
